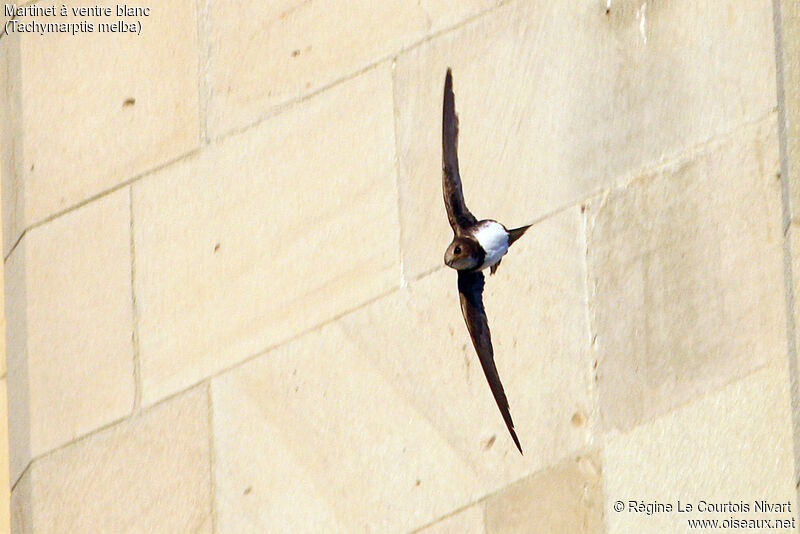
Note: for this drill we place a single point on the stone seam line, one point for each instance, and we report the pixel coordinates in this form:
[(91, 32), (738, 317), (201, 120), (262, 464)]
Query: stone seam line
[(137, 366), (274, 111), (791, 327), (622, 183), (601, 193), (204, 88)]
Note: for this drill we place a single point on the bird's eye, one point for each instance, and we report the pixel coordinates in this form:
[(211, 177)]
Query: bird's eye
[(457, 250)]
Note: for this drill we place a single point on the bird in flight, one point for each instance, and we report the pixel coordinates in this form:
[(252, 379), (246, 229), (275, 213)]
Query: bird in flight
[(476, 245)]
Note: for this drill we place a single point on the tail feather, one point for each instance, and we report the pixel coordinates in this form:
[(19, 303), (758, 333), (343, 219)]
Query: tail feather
[(516, 233)]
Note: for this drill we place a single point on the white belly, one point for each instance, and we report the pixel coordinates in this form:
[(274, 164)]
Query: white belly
[(493, 239)]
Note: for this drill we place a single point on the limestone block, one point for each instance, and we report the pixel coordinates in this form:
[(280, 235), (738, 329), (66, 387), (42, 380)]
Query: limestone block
[(399, 379), (263, 54), (2, 263), (789, 58), (567, 497), (5, 485), (302, 435), (734, 445), (467, 521), (150, 473), (70, 323), (2, 320), (794, 237), (536, 305), (267, 234), (21, 506), (17, 371), (100, 108), (686, 267), (10, 142), (793, 165), (559, 99)]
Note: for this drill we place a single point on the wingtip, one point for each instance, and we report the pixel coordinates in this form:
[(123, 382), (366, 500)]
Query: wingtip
[(516, 439), (510, 426)]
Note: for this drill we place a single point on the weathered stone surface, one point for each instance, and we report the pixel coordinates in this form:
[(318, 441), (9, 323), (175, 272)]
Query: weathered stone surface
[(789, 62), (788, 53), (793, 166), (147, 474), (10, 142), (301, 437), (794, 237), (686, 271), (733, 445), (536, 308), (17, 372), (559, 99), (399, 379), (266, 235), (5, 485), (789, 56), (70, 322), (363, 407), (2, 322), (2, 260), (567, 497), (467, 521), (263, 54), (21, 506), (82, 132)]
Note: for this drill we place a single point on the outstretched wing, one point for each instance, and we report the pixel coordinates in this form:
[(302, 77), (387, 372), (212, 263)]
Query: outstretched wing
[(457, 212), (470, 291)]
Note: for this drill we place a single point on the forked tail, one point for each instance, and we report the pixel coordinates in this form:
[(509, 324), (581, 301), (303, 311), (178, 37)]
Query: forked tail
[(516, 233)]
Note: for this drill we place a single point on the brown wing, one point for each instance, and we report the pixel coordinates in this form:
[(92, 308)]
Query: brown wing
[(470, 291), (457, 213)]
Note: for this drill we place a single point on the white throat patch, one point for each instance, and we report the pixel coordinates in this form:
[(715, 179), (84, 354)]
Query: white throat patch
[(493, 239)]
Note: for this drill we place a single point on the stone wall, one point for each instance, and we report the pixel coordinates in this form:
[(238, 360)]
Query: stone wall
[(225, 301)]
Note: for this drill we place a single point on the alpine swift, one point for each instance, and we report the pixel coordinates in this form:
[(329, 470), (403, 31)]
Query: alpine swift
[(476, 245)]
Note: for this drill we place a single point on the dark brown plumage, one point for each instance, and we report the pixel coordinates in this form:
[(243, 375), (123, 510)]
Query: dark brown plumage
[(470, 292), (457, 213), (467, 256)]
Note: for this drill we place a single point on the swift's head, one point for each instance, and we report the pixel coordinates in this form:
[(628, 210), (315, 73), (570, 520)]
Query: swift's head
[(463, 254)]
